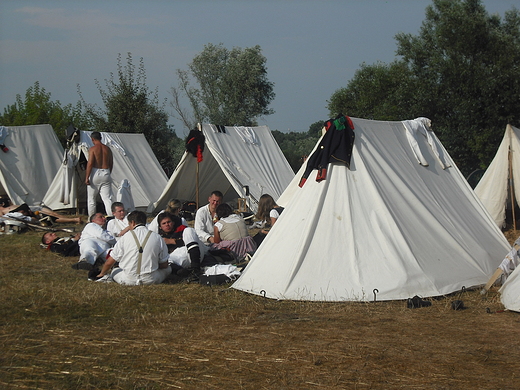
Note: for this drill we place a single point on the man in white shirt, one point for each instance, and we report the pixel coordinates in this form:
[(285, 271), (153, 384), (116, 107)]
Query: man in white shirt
[(94, 243), (118, 225), (142, 255), (206, 216)]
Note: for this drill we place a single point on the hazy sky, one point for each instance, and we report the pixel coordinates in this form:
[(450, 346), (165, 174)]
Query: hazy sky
[(312, 47)]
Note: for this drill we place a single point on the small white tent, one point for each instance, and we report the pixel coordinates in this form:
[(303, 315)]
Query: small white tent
[(134, 161), (32, 159), (234, 158), (401, 221), (510, 291), (494, 189)]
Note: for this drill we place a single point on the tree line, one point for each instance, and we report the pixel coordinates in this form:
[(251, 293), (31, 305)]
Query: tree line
[(462, 70)]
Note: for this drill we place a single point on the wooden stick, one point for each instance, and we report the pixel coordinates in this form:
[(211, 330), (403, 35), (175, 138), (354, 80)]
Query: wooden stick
[(493, 279)]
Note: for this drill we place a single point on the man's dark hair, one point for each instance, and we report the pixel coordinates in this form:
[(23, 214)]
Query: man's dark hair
[(174, 218), (116, 204), (43, 238), (96, 135), (217, 193), (139, 217)]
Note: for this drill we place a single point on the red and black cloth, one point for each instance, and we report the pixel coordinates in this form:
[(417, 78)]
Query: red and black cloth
[(335, 146), (195, 144)]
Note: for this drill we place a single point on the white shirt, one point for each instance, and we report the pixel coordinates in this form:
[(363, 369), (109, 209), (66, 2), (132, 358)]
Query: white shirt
[(114, 226), (204, 224), (126, 252), (95, 232)]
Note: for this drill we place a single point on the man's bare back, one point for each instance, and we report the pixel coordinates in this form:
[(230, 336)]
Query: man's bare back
[(100, 157)]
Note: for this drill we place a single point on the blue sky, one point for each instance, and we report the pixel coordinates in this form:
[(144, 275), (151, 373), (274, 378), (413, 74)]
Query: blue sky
[(312, 47)]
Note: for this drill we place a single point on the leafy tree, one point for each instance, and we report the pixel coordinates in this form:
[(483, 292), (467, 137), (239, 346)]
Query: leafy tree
[(131, 108), (380, 91), (38, 108), (233, 88), (296, 146), (461, 71)]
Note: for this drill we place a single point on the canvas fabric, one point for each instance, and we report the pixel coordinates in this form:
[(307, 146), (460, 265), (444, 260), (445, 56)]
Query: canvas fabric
[(234, 157), (387, 226)]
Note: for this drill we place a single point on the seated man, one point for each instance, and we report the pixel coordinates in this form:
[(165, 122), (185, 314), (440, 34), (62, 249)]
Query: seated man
[(142, 255), (118, 225), (65, 246), (173, 207), (94, 243), (206, 216), (187, 253)]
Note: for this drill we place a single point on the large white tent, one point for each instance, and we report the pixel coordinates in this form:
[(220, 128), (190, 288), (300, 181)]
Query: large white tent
[(32, 159), (401, 221), (234, 158), (134, 161), (494, 189)]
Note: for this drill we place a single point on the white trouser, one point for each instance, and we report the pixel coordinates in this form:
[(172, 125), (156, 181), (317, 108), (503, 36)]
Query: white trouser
[(90, 249), (156, 277), (180, 256), (100, 183)]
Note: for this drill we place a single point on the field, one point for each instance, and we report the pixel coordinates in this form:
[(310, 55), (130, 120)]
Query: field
[(60, 331)]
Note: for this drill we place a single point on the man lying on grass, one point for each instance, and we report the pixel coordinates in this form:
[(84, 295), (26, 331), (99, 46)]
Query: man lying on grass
[(65, 246), (141, 253)]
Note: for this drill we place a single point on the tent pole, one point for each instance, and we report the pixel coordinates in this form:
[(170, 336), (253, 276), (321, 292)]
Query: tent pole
[(197, 186), (511, 189)]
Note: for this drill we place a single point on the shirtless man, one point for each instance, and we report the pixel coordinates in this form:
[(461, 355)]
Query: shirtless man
[(98, 179)]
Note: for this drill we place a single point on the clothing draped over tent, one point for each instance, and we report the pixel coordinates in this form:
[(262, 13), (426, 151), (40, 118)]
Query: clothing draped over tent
[(386, 224), (237, 160), (124, 195)]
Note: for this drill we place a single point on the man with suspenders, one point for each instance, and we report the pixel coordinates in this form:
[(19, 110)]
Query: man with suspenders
[(142, 255)]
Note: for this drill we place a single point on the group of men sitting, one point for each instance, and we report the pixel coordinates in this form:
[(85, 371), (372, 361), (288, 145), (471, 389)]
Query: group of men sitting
[(130, 251)]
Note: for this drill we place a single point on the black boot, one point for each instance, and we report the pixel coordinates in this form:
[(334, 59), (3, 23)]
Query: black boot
[(194, 253)]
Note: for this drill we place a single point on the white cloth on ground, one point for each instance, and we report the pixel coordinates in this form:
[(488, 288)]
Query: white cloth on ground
[(231, 271)]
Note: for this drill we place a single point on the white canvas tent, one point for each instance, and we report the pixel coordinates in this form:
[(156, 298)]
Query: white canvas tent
[(494, 189), (387, 228), (510, 291), (134, 161), (30, 164), (233, 158)]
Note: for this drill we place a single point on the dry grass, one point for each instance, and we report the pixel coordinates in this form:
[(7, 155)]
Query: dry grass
[(60, 331)]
